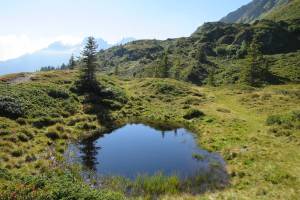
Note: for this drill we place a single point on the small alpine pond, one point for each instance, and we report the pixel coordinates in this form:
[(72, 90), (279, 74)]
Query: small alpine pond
[(139, 149)]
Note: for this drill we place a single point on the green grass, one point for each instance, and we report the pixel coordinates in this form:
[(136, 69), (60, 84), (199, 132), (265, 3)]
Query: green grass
[(285, 12), (261, 151)]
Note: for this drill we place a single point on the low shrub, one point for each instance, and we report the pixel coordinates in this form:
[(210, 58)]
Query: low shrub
[(274, 119), (165, 88), (60, 128), (221, 51), (4, 132), (28, 134), (21, 121), (70, 107), (284, 119), (192, 101), (63, 185), (279, 132), (296, 115), (30, 158), (193, 113), (22, 137), (276, 175), (266, 96), (4, 174), (56, 93), (114, 105), (11, 107), (87, 126), (74, 121), (17, 153), (52, 134), (12, 138)]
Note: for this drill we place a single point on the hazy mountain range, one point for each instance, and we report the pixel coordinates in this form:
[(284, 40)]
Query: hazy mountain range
[(53, 55)]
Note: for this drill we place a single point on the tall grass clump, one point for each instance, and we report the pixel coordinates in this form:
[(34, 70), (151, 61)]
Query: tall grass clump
[(157, 184)]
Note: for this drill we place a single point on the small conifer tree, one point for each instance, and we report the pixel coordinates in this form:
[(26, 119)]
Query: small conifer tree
[(88, 68), (72, 63)]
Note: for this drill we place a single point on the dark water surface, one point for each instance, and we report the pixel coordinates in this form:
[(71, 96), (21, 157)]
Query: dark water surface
[(137, 149)]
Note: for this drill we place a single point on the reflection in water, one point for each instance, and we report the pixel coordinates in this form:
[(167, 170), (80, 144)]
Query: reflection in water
[(90, 151), (163, 134), (139, 149)]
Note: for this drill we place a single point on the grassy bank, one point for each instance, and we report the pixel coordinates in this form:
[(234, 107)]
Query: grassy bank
[(255, 130)]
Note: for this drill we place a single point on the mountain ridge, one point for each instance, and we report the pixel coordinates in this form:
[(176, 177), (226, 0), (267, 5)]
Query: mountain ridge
[(221, 42), (255, 10)]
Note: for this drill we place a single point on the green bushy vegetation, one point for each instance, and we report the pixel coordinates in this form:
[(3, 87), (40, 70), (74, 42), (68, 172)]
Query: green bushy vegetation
[(10, 107), (193, 113), (293, 117), (284, 124), (51, 185), (55, 93), (234, 124), (214, 47)]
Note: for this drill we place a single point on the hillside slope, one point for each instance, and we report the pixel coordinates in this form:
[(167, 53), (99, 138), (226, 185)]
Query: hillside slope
[(255, 10), (287, 11), (219, 41)]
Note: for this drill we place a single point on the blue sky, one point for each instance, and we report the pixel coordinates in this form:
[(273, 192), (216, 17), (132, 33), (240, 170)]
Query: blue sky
[(32, 24)]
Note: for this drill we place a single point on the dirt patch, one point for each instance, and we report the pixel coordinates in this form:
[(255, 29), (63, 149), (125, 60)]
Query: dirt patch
[(16, 78)]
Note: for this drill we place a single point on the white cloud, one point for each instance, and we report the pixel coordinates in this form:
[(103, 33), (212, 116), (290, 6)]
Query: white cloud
[(12, 46)]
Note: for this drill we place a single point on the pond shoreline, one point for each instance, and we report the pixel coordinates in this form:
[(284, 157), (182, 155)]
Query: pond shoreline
[(198, 183)]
